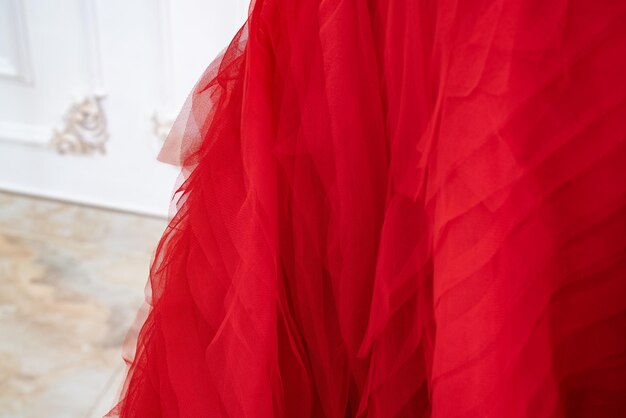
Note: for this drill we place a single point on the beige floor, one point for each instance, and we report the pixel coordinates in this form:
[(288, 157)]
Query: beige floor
[(71, 281)]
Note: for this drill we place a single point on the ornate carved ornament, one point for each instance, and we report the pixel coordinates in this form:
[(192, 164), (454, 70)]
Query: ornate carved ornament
[(85, 129)]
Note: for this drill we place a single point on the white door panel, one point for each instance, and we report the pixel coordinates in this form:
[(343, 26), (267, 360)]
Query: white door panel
[(82, 83)]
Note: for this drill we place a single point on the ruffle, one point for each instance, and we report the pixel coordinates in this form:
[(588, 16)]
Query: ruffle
[(396, 209)]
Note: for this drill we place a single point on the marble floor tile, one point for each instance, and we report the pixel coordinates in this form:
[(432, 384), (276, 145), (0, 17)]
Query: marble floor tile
[(71, 281)]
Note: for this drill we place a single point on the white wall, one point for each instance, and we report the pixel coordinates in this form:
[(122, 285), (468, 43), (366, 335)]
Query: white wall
[(134, 61)]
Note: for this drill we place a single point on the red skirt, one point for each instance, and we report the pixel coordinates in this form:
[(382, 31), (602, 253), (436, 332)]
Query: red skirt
[(396, 209)]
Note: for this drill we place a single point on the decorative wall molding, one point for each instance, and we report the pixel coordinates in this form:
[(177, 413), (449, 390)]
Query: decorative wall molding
[(163, 118), (166, 66), (24, 134), (161, 127), (18, 67), (94, 46), (85, 130), (10, 69)]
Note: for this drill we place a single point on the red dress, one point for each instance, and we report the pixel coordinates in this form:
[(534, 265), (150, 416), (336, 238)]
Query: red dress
[(397, 209)]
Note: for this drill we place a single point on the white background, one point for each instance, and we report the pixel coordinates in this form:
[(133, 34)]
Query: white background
[(141, 56)]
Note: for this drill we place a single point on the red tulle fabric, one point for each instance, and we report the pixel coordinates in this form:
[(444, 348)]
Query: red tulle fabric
[(396, 209)]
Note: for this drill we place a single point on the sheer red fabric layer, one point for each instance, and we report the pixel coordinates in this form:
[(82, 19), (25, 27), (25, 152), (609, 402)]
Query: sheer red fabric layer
[(396, 209)]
